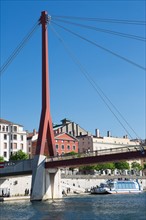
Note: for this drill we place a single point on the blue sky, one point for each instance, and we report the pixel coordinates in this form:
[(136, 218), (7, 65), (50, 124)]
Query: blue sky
[(72, 96)]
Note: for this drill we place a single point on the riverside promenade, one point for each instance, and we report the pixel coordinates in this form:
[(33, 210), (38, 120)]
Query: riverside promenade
[(78, 184)]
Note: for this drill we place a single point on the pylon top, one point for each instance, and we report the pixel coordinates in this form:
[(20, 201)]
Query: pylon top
[(44, 19)]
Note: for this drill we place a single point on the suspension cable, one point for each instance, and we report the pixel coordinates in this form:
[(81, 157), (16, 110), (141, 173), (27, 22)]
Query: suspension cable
[(18, 48), (93, 83), (101, 47), (135, 37), (108, 20), (97, 88)]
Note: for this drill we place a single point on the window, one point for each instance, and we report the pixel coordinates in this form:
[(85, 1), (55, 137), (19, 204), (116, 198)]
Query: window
[(3, 128), (74, 147), (62, 147), (68, 147), (5, 154), (21, 137), (5, 137), (11, 145), (15, 137), (0, 127), (21, 146), (15, 128), (5, 145), (57, 146), (15, 146), (7, 128)]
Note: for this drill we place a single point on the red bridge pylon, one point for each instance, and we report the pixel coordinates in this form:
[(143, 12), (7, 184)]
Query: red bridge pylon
[(46, 142)]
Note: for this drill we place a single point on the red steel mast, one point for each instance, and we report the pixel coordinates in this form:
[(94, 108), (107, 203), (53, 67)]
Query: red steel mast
[(46, 142)]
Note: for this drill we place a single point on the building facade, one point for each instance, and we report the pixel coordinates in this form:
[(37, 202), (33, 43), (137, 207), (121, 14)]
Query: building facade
[(69, 127), (12, 138), (64, 143), (89, 143), (97, 142)]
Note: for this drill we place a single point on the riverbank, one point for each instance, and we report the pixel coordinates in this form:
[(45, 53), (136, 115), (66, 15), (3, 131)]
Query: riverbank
[(74, 184)]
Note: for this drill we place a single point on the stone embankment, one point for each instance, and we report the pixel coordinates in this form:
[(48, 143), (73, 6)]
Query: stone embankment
[(82, 183)]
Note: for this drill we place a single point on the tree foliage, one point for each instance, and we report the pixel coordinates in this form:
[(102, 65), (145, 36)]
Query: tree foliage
[(19, 155), (136, 166), (102, 166), (70, 153), (1, 159), (123, 165)]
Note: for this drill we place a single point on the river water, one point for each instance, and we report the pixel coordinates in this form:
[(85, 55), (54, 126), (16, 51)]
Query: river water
[(79, 207)]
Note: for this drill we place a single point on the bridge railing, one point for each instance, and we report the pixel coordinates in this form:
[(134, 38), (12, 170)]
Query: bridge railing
[(108, 151), (17, 166)]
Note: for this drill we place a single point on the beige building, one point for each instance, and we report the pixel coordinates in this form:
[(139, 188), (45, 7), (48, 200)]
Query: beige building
[(89, 143)]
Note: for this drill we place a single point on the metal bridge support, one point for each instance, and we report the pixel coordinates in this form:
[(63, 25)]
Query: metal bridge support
[(44, 183)]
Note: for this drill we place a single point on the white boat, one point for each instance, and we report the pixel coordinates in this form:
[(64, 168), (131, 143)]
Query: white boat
[(117, 187)]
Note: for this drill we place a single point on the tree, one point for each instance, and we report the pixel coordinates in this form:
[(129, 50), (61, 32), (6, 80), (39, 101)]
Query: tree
[(123, 165), (101, 166), (19, 155), (136, 166), (104, 166), (70, 153), (1, 159)]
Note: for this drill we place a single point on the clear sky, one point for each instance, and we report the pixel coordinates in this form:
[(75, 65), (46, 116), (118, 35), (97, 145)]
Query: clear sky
[(72, 95)]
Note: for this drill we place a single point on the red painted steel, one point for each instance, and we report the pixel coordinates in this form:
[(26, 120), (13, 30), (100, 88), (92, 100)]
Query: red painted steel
[(74, 162), (46, 142), (1, 164)]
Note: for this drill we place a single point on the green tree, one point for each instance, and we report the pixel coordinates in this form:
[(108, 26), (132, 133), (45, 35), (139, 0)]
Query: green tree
[(19, 155), (123, 165), (136, 166), (1, 159), (104, 166), (70, 153), (144, 166)]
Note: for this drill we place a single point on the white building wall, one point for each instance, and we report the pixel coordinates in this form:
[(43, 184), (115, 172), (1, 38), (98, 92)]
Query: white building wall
[(99, 143), (12, 139)]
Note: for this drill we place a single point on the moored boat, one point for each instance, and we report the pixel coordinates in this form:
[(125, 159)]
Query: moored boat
[(117, 187)]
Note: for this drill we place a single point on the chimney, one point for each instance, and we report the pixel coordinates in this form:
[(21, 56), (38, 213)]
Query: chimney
[(97, 134), (108, 134), (34, 131)]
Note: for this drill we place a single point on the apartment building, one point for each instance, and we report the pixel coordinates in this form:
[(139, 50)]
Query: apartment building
[(89, 143), (64, 143), (12, 138)]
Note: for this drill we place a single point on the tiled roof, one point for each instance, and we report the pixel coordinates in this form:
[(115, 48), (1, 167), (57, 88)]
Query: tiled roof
[(3, 121), (62, 133)]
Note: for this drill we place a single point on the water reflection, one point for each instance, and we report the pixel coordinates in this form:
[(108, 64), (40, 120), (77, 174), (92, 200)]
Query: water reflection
[(90, 207)]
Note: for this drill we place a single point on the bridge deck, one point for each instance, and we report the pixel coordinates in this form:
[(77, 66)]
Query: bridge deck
[(24, 167), (101, 156)]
